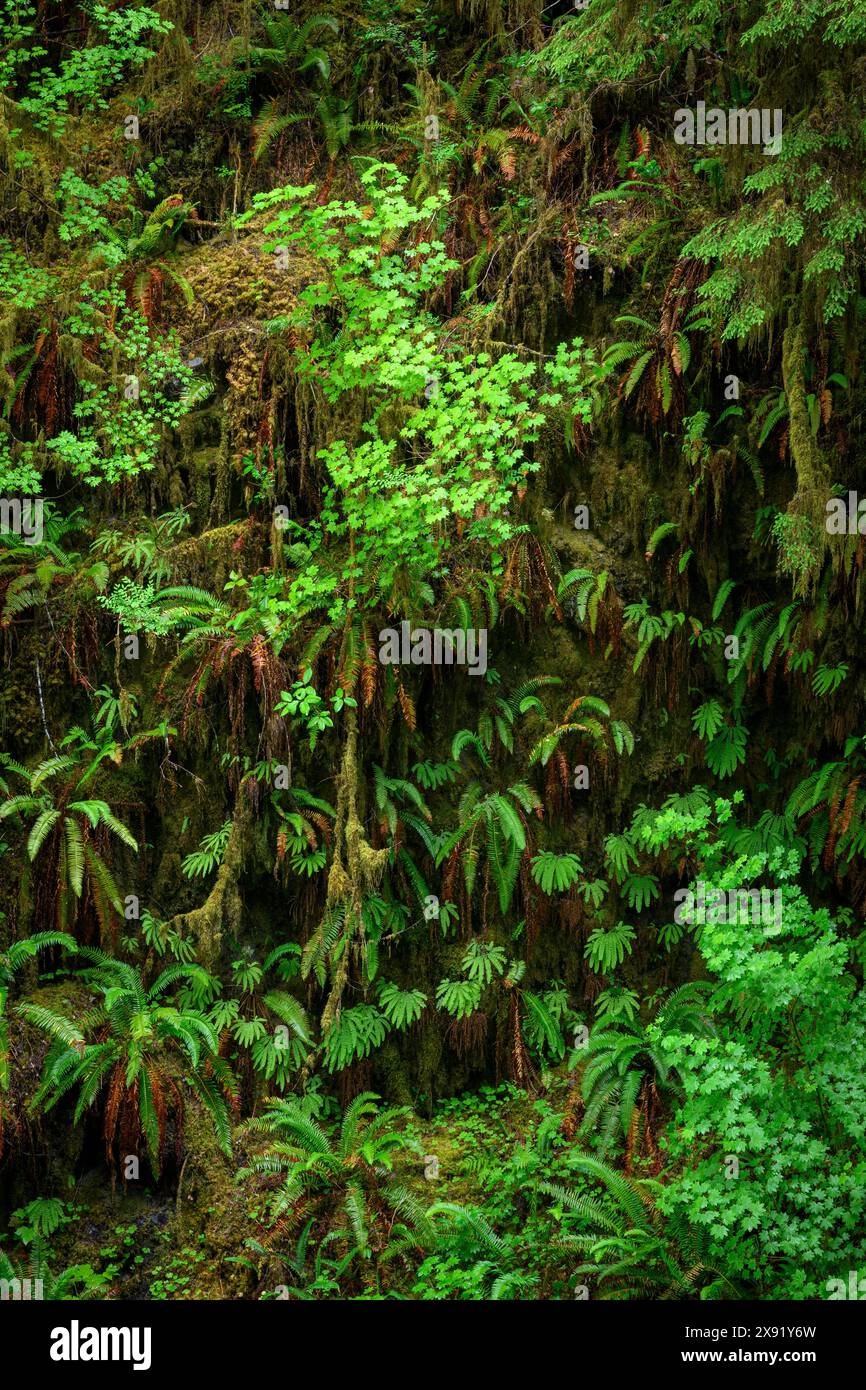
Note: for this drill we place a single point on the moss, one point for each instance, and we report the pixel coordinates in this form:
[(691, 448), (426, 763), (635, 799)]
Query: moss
[(210, 1203), (807, 508), (222, 910), (812, 472)]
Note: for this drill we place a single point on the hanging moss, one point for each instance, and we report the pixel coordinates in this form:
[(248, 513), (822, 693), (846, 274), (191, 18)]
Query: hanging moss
[(222, 911)]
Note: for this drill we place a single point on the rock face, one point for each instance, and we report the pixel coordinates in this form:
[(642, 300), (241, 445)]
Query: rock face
[(518, 322)]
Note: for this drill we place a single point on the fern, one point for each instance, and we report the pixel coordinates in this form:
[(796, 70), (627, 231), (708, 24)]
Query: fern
[(483, 961), (606, 949), (827, 679), (641, 890), (401, 1007), (727, 750), (209, 854), (707, 720), (353, 1035), (555, 873), (458, 997)]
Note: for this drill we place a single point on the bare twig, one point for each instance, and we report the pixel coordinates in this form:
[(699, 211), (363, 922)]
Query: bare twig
[(42, 707)]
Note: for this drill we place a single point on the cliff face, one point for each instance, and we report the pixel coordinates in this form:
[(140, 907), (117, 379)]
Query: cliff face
[(536, 326)]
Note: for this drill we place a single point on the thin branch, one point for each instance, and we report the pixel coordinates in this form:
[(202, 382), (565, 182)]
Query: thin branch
[(42, 707)]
